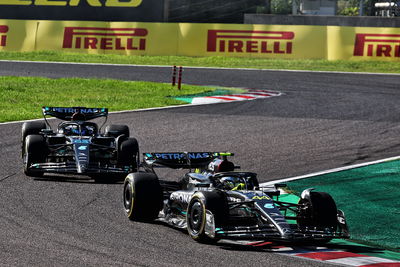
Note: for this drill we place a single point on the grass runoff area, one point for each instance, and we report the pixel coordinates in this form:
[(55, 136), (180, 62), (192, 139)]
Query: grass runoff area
[(21, 98), (227, 62), (369, 197)]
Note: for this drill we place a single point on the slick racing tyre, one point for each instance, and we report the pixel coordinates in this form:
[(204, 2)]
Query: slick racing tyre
[(115, 130), (318, 210), (30, 127), (128, 153), (142, 196), (213, 201), (35, 151)]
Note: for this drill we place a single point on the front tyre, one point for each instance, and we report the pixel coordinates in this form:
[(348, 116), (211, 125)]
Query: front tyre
[(142, 196), (318, 210), (196, 218), (35, 151), (28, 128)]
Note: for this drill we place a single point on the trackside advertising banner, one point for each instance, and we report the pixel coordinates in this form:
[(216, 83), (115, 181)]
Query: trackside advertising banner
[(88, 10), (191, 39), (363, 43)]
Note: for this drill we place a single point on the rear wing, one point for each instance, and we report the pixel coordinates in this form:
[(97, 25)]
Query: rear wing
[(65, 113), (182, 160)]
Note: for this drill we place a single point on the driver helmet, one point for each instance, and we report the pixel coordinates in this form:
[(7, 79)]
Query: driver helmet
[(71, 129), (232, 183), (76, 129)]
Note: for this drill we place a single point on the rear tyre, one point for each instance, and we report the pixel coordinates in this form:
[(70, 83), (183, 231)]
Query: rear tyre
[(142, 196), (35, 151), (128, 153), (115, 130), (213, 201)]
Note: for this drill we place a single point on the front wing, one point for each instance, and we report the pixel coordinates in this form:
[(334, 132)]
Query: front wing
[(71, 168), (266, 231)]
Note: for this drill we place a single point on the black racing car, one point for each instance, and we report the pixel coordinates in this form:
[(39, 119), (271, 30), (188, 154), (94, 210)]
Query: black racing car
[(216, 202), (78, 146)]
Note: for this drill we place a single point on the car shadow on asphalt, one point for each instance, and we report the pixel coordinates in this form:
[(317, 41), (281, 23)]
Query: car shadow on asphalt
[(77, 179)]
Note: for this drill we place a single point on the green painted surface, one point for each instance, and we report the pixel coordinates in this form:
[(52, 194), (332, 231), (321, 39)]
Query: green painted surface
[(289, 198), (370, 198)]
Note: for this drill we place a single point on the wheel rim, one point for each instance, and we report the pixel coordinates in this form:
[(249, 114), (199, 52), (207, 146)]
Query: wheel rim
[(196, 217), (128, 197)]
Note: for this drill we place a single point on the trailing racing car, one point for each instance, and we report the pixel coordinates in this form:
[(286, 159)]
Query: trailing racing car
[(78, 146), (216, 202)]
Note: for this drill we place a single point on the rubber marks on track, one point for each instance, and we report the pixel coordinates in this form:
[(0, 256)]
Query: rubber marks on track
[(323, 254), (249, 95)]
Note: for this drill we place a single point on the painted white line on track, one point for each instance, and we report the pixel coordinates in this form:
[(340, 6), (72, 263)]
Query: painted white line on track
[(196, 67), (329, 171), (127, 111), (195, 102)]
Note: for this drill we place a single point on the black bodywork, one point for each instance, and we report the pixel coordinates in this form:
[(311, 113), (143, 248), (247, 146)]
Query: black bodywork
[(202, 203), (77, 146)]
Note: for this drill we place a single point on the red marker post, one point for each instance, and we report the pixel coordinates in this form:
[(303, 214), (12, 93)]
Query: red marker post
[(180, 78), (173, 75)]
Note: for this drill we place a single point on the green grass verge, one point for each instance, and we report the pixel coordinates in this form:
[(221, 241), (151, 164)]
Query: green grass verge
[(369, 197), (228, 62), (21, 98)]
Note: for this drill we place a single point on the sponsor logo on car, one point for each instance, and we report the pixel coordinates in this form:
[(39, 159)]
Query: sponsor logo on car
[(234, 199), (269, 206), (182, 197), (3, 35), (91, 3), (182, 155), (261, 197), (105, 38), (73, 110), (379, 45), (261, 42), (81, 141)]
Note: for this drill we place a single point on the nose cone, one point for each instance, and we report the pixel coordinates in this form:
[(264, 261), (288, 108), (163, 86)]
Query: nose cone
[(81, 154)]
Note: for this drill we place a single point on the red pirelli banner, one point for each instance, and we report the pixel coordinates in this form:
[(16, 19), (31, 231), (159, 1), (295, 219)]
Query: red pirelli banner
[(186, 39)]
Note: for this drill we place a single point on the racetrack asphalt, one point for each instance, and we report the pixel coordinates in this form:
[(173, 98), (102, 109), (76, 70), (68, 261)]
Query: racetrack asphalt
[(323, 121)]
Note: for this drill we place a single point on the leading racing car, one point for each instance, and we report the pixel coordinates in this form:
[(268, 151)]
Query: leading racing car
[(77, 145), (217, 202)]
